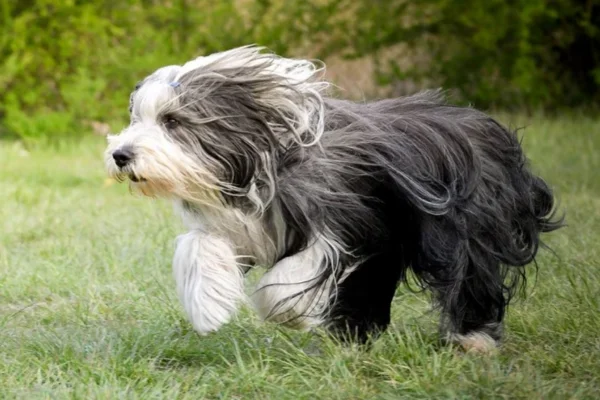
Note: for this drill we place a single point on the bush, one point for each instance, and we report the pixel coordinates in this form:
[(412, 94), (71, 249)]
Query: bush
[(66, 65), (495, 53)]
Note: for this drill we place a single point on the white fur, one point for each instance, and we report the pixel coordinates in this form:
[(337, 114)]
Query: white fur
[(287, 277), (474, 342), (296, 71), (298, 273), (246, 233), (210, 284), (165, 169)]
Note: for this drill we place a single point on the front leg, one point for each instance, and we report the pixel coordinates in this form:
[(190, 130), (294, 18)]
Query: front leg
[(296, 292), (210, 284)]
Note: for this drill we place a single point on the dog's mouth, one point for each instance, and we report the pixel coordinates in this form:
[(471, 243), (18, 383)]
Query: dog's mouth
[(127, 174), (135, 178)]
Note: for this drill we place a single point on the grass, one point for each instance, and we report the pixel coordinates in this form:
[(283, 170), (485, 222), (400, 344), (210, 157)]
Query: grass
[(88, 310)]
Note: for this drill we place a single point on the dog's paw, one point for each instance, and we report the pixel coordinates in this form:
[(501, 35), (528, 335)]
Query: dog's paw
[(478, 342), (475, 343)]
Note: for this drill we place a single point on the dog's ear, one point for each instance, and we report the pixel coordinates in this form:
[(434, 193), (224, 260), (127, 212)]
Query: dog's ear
[(138, 85), (284, 93), (163, 74)]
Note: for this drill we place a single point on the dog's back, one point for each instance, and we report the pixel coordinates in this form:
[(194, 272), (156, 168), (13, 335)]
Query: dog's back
[(417, 183)]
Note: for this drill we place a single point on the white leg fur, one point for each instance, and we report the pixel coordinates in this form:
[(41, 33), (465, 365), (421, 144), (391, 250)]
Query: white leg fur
[(288, 277), (210, 284), (475, 342)]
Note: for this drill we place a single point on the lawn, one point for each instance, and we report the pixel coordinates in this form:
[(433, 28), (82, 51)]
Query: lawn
[(88, 308)]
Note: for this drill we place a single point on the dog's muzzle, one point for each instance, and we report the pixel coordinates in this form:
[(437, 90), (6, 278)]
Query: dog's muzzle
[(123, 156)]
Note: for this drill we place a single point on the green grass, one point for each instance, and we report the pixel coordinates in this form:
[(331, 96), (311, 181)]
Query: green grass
[(88, 309)]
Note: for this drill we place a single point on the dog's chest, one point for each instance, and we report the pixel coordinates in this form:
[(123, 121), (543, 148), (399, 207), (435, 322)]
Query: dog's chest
[(248, 235)]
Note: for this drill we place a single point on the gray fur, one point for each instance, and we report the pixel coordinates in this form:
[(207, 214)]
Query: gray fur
[(444, 190)]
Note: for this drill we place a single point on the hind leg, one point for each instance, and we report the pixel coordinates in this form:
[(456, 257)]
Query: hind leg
[(363, 303), (471, 296), (473, 314)]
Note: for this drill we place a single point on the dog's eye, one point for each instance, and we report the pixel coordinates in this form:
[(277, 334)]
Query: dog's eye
[(171, 123)]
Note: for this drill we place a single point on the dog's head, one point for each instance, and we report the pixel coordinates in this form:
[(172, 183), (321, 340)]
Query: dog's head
[(216, 125)]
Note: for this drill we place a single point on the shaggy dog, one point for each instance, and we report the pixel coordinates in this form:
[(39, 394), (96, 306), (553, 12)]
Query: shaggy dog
[(337, 200)]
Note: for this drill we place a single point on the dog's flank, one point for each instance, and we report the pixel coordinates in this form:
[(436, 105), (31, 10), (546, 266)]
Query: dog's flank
[(337, 199)]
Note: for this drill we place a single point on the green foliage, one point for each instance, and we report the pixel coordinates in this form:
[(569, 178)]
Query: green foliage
[(66, 64), (522, 52), (510, 54)]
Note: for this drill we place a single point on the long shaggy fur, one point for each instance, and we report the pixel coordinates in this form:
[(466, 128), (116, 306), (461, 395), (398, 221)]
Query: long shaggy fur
[(336, 199)]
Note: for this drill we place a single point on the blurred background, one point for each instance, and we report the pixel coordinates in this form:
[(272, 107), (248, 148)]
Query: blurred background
[(67, 66)]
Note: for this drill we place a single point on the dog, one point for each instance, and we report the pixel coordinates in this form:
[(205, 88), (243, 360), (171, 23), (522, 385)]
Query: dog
[(337, 200)]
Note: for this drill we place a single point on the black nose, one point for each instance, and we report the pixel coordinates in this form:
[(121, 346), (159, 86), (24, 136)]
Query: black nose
[(122, 156)]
